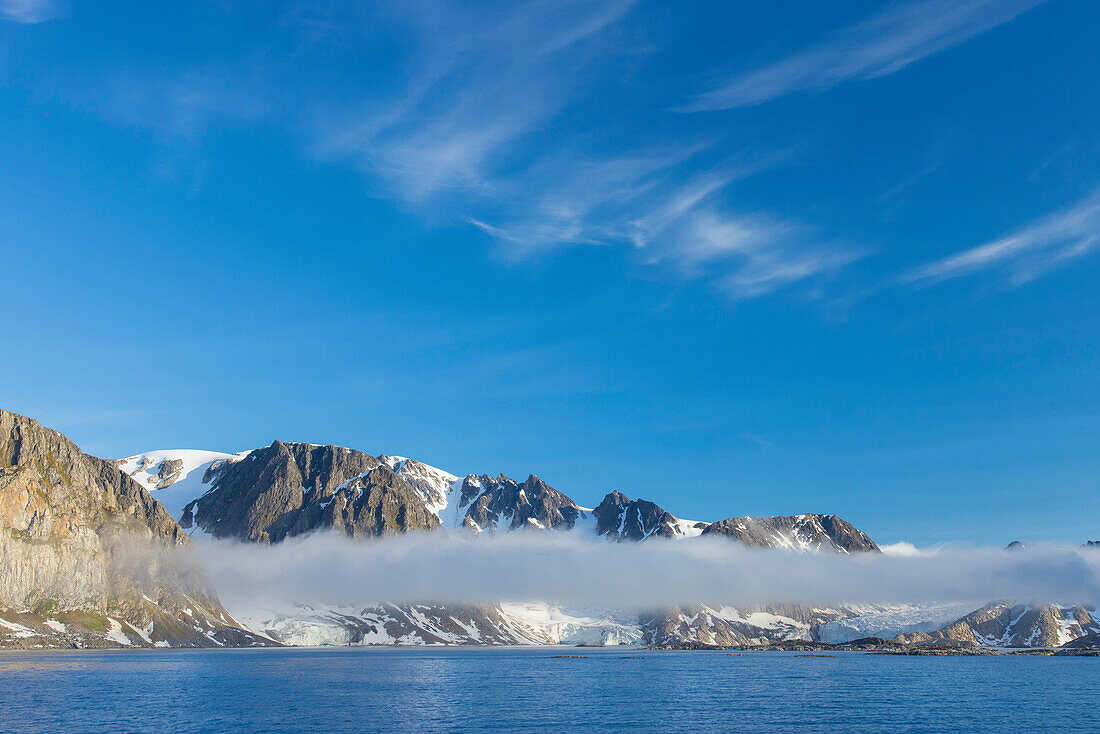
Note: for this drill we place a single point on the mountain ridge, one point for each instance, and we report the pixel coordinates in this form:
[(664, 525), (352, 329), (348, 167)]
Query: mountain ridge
[(272, 493), (475, 502)]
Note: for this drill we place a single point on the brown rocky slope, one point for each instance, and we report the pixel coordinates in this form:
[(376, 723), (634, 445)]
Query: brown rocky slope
[(89, 558)]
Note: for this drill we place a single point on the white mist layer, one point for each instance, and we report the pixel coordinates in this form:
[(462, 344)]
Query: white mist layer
[(562, 569)]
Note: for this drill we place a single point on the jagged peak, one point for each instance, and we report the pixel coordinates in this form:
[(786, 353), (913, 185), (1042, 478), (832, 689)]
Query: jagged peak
[(614, 497), (451, 498), (829, 532)]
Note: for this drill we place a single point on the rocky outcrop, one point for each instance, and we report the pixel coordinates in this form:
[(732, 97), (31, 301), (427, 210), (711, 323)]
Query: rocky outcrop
[(434, 486), (620, 518), (288, 489), (489, 504), (293, 488), (80, 538), (797, 532), (687, 626), (401, 624), (1090, 640), (1010, 624), (168, 472)]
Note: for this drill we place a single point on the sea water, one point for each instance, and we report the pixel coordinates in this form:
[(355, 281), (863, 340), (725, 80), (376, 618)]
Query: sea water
[(514, 689)]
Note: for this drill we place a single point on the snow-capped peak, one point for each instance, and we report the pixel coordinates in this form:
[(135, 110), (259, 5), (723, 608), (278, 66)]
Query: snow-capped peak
[(440, 489), (175, 476)]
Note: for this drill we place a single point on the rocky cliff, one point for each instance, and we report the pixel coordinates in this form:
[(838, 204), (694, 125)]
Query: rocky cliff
[(699, 624), (1012, 624), (799, 532), (88, 557), (492, 503), (620, 518), (292, 488), (435, 486), (288, 489)]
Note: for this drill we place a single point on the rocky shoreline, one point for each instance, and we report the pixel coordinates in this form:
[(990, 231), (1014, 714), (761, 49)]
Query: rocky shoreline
[(87, 630), (880, 646)]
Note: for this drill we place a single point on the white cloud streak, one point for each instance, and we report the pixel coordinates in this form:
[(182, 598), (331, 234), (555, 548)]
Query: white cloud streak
[(559, 568), (683, 227), (30, 11), (477, 87), (750, 256), (886, 43), (477, 83), (1027, 253), (473, 124)]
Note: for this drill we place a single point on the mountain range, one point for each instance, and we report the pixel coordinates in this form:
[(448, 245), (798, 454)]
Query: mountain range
[(83, 543)]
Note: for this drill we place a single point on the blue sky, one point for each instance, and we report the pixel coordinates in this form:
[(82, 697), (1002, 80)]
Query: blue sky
[(736, 258)]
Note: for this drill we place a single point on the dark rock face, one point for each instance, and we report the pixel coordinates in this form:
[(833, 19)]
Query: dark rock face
[(80, 538), (1016, 545), (1090, 640), (1092, 543), (810, 532), (168, 472), (620, 518), (491, 504), (290, 489)]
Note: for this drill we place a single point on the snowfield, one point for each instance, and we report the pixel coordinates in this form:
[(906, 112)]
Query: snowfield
[(187, 485), (888, 621)]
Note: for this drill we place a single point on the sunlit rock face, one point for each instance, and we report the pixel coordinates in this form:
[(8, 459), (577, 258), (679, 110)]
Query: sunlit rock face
[(797, 532), (88, 557), (288, 489), (1012, 624), (490, 504)]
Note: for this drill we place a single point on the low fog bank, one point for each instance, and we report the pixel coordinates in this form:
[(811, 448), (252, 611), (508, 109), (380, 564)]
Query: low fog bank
[(562, 569)]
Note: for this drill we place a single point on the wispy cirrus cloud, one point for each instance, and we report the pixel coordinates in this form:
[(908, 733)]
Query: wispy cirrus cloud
[(477, 82), (1027, 253), (30, 11), (745, 254), (568, 199), (754, 255), (455, 138), (684, 227), (879, 46), (483, 114)]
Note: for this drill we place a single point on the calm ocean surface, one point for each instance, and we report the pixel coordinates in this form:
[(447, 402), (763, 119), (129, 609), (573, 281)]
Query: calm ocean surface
[(479, 689)]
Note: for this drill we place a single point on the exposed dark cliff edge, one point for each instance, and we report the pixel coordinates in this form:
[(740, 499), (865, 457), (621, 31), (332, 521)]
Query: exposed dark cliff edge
[(292, 488), (620, 518), (502, 503), (85, 554)]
